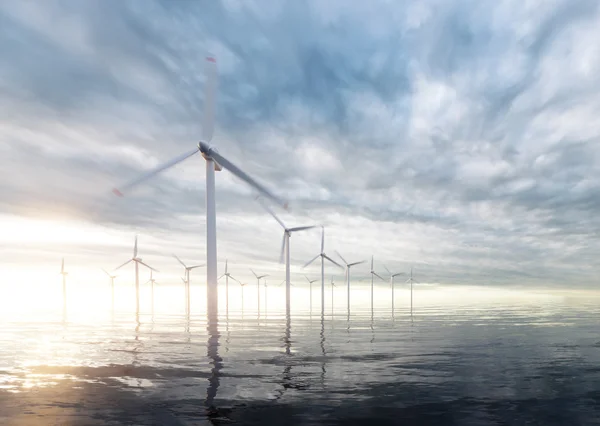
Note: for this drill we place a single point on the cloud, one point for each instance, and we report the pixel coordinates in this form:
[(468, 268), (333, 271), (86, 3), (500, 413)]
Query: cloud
[(448, 135)]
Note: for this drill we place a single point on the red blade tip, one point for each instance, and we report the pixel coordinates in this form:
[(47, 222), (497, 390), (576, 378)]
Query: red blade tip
[(117, 192), (211, 59)]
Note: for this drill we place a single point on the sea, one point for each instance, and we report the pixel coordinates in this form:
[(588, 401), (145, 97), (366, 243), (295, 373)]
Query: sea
[(463, 356)]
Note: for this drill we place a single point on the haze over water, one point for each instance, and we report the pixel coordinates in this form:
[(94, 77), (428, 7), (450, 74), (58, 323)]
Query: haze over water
[(469, 356)]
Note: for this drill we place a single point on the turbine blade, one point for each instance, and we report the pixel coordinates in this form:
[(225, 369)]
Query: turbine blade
[(180, 261), (307, 279), (220, 277), (358, 263), (262, 276), (62, 266), (399, 273), (105, 272), (235, 279), (311, 261), (388, 271), (378, 276), (322, 239), (119, 267), (210, 91), (147, 266), (341, 257), (243, 176), (268, 209), (153, 172), (371, 263), (254, 273), (332, 261), (282, 248), (135, 248), (195, 266), (301, 228)]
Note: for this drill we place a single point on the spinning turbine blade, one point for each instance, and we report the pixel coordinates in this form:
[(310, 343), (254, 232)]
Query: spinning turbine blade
[(129, 261), (388, 271), (282, 248), (322, 239), (253, 273), (341, 257), (332, 261), (210, 89), (135, 248), (268, 209), (311, 261), (180, 261), (357, 263), (106, 272), (147, 266), (153, 172), (194, 267), (301, 228), (226, 164), (378, 276)]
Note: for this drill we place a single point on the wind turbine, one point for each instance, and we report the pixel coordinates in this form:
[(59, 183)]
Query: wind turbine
[(152, 281), (214, 161), (392, 276), (332, 286), (285, 249), (112, 288), (258, 278), (323, 256), (411, 280), (64, 284), (373, 274), (137, 262), (348, 266), (243, 285), (187, 280), (310, 283), (227, 275)]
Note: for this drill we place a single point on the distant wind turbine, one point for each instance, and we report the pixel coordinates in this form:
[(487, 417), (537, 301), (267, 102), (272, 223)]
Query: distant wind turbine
[(392, 276), (310, 283), (214, 161), (332, 287), (137, 261), (152, 281), (242, 285), (258, 278), (285, 250), (323, 256), (112, 288), (373, 274), (348, 266), (64, 284), (227, 276), (187, 270), (411, 280)]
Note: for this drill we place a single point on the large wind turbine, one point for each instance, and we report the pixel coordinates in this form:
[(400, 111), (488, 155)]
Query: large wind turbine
[(310, 283), (187, 280), (227, 275), (323, 256), (411, 280), (64, 284), (392, 276), (112, 289), (332, 287), (152, 281), (285, 247), (348, 266), (137, 262), (214, 161), (373, 274), (258, 278)]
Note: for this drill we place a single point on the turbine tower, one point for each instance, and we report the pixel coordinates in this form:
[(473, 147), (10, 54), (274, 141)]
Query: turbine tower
[(187, 270), (411, 280), (323, 256), (348, 266), (152, 281), (137, 261), (310, 283), (373, 274), (392, 276), (332, 287), (285, 247), (112, 289), (258, 278), (64, 284), (214, 161), (227, 276)]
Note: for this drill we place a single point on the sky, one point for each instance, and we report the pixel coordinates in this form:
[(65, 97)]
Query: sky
[(456, 137)]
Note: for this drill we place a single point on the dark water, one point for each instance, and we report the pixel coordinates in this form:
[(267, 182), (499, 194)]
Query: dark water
[(509, 363)]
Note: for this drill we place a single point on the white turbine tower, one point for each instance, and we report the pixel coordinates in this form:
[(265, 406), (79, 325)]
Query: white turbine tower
[(186, 281), (323, 256), (285, 249), (258, 278), (348, 266), (64, 284), (137, 261), (214, 161), (332, 287), (152, 281), (227, 276), (392, 276), (310, 283), (373, 274), (112, 289), (411, 280)]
